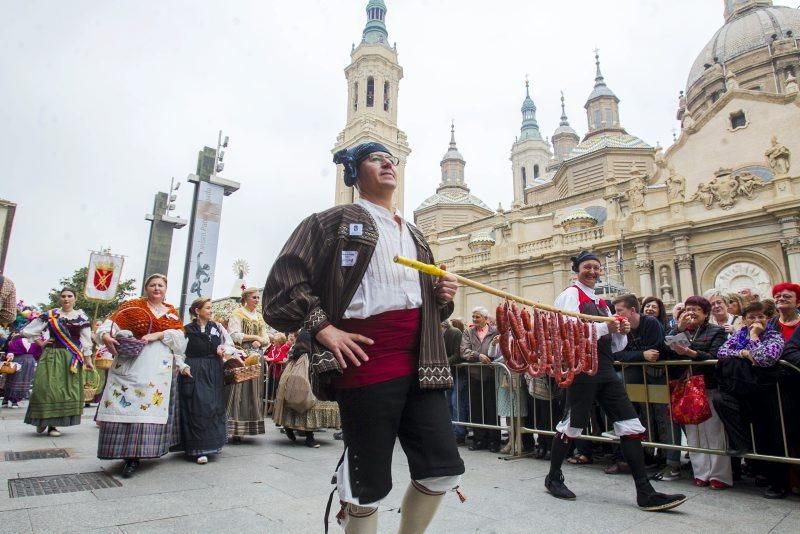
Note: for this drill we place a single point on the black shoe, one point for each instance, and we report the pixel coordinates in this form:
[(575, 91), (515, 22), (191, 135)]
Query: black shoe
[(130, 468), (338, 435), (311, 442), (541, 451), (774, 492), (478, 445), (494, 447), (557, 488), (658, 502), (290, 434)]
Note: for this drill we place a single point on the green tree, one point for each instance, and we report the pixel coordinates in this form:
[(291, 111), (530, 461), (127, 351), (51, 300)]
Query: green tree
[(77, 281)]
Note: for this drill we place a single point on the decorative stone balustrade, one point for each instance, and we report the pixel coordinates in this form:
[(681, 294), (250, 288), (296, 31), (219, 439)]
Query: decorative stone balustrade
[(535, 246), (582, 236)]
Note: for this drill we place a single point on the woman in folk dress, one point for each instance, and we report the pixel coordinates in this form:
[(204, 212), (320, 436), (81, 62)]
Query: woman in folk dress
[(138, 411), (245, 401), (65, 335)]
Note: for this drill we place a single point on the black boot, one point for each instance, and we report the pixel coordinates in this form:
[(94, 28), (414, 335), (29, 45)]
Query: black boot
[(554, 481), (130, 468), (646, 497)]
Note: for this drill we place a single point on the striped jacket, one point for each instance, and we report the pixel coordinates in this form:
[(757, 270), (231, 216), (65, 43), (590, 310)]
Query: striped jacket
[(309, 288)]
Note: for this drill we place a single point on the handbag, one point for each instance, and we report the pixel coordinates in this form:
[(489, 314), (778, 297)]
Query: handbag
[(298, 395), (688, 400)]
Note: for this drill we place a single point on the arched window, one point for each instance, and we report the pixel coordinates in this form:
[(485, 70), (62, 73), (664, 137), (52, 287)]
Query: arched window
[(370, 92), (385, 96), (535, 171), (609, 119), (355, 96), (524, 178), (597, 119)]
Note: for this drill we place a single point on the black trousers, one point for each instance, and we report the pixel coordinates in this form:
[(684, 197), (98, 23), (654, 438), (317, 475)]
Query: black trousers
[(483, 406), (373, 417)]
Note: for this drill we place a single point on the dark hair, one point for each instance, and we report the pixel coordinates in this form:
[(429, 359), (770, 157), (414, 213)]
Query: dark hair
[(628, 300), (196, 305), (662, 312), (458, 323), (754, 307), (769, 308), (700, 302), (68, 288)]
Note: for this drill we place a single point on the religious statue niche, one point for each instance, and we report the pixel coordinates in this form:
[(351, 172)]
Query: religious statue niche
[(779, 157), (666, 288), (676, 185), (726, 188)]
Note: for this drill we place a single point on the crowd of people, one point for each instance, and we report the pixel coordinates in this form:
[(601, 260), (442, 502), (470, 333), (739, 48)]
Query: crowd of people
[(746, 389), (166, 389), (371, 349)]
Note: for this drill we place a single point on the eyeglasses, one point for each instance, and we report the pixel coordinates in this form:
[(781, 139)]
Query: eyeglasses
[(784, 296), (380, 158)]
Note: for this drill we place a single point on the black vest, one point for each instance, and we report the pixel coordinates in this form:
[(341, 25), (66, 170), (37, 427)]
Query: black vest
[(203, 344)]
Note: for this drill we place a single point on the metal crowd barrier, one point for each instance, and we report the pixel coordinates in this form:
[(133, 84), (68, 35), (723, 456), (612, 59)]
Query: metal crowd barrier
[(651, 393), (486, 372)]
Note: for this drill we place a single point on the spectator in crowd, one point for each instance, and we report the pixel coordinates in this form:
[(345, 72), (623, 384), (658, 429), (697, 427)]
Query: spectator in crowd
[(459, 395), (705, 341), (26, 353), (769, 308), (654, 307), (789, 381), (645, 343), (786, 298), (275, 356), (735, 303), (749, 295), (746, 377), (677, 310), (475, 347), (511, 396), (720, 315)]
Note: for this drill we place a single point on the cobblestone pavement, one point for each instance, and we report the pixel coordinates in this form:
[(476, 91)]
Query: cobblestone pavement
[(268, 484)]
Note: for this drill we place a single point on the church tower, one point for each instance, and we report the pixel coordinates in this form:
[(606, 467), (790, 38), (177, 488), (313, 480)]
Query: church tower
[(564, 138), (373, 79), (530, 154), (602, 106)]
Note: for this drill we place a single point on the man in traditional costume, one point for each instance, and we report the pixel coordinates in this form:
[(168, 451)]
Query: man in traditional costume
[(376, 325), (606, 388)]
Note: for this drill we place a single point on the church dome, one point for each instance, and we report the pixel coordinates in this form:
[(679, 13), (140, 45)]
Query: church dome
[(750, 27), (609, 140), (453, 197)]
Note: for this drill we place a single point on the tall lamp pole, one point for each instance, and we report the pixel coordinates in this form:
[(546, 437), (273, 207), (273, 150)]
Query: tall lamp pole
[(162, 226)]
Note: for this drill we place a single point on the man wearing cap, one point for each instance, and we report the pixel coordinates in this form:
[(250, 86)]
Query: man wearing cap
[(378, 345), (606, 388)]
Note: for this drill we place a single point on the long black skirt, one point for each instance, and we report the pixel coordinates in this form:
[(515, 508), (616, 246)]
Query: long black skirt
[(202, 407)]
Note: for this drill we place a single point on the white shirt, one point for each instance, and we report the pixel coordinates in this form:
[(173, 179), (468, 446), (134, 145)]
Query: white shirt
[(569, 300), (387, 285)]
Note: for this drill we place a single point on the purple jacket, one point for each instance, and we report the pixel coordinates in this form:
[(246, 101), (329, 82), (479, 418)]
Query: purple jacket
[(16, 346), (765, 352)]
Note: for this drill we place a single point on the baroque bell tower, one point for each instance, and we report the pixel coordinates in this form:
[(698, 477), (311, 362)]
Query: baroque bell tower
[(373, 79)]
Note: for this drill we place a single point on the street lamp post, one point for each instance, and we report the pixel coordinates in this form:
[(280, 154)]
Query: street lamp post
[(162, 225)]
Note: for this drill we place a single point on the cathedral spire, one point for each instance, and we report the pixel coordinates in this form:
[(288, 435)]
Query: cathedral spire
[(602, 106), (564, 138), (600, 87), (452, 164), (530, 128), (375, 31), (564, 120)]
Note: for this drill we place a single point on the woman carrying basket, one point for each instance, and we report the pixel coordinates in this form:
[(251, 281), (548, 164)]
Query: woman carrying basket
[(138, 413), (245, 400), (65, 335)]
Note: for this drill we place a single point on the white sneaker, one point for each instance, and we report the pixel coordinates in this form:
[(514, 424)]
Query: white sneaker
[(54, 433), (202, 460)]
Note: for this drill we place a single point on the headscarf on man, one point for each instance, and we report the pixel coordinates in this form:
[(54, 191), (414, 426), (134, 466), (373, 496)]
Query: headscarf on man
[(582, 257), (351, 158)]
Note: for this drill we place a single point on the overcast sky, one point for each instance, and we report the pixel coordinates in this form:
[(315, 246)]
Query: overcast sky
[(101, 102)]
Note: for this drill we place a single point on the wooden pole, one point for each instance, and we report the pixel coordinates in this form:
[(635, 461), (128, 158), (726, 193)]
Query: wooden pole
[(433, 270)]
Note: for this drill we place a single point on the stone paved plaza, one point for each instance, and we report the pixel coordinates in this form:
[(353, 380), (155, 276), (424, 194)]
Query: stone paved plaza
[(268, 484)]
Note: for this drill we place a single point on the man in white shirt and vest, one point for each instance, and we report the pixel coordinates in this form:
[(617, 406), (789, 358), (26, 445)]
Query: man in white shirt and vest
[(378, 349)]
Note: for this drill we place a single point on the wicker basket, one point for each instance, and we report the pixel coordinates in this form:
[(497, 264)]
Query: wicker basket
[(103, 363), (9, 368), (91, 384), (242, 374), (130, 347)]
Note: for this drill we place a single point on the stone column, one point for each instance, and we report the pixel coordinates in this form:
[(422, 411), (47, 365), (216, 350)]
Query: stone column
[(790, 240), (683, 260), (791, 246), (644, 266), (560, 275)]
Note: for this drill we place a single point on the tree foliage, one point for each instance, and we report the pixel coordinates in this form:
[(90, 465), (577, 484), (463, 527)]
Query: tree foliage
[(77, 281)]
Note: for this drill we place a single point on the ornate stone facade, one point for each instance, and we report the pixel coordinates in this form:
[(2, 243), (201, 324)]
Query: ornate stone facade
[(717, 208)]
